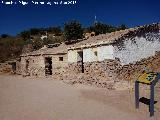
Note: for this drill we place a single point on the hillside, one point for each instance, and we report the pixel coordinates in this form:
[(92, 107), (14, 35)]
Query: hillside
[(35, 38), (10, 47)]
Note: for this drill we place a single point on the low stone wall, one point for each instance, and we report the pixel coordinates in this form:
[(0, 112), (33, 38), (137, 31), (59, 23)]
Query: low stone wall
[(100, 74), (110, 73), (105, 70), (133, 71), (37, 71), (74, 68), (18, 68), (59, 73), (5, 68)]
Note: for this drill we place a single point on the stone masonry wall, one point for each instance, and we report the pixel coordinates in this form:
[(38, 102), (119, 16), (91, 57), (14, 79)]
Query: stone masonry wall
[(23, 65), (35, 66), (74, 67), (5, 68), (101, 74), (18, 67), (132, 71), (59, 73), (108, 73)]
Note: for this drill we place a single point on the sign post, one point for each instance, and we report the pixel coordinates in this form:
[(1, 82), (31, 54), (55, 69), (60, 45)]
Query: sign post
[(151, 79)]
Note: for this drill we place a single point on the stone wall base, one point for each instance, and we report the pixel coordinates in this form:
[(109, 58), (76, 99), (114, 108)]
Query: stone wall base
[(107, 74), (110, 73)]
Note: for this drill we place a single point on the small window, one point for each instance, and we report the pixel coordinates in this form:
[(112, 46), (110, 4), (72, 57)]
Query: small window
[(95, 53), (33, 61), (60, 58)]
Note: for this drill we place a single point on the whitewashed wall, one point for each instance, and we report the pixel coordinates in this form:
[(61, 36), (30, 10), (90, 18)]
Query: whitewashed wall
[(142, 47), (132, 50), (89, 55), (72, 56), (105, 52)]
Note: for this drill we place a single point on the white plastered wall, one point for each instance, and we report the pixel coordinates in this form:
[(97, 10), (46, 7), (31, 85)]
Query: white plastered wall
[(131, 51), (72, 56), (89, 55), (138, 47), (92, 54), (105, 52)]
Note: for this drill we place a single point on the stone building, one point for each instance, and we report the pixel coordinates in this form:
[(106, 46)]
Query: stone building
[(49, 60), (120, 55), (101, 60), (18, 66)]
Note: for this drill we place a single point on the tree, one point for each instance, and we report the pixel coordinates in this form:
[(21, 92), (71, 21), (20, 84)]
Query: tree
[(122, 27), (52, 40), (35, 31), (55, 30), (37, 43), (25, 35), (101, 28), (4, 35), (87, 30), (73, 30)]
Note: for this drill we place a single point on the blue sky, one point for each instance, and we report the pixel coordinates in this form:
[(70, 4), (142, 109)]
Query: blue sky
[(15, 18)]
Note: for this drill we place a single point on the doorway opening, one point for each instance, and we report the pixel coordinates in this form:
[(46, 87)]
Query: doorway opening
[(48, 66), (14, 67), (80, 60), (27, 67)]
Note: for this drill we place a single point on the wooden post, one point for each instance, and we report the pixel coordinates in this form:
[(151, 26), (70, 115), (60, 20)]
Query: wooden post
[(137, 94), (151, 107)]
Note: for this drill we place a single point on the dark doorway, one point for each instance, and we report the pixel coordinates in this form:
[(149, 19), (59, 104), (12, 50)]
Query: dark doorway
[(13, 64), (48, 66), (14, 67), (80, 60), (27, 67)]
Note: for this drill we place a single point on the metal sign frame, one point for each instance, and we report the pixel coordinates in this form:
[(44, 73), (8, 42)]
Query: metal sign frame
[(152, 84)]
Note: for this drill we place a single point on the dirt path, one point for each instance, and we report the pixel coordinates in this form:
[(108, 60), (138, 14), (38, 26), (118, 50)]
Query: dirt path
[(39, 99)]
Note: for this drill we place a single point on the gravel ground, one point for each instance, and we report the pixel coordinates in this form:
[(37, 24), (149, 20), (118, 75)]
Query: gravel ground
[(46, 99)]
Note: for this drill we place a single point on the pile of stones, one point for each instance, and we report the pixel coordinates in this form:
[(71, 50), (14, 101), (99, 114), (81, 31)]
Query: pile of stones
[(108, 73)]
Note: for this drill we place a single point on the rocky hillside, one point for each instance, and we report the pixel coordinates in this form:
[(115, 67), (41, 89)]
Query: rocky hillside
[(11, 47)]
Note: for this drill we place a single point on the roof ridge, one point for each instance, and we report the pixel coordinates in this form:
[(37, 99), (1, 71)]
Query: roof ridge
[(114, 36)]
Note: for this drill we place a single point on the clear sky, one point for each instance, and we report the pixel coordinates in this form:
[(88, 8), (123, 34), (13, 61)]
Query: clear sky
[(15, 18)]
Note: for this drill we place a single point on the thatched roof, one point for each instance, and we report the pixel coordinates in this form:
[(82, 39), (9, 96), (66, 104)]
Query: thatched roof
[(112, 37)]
